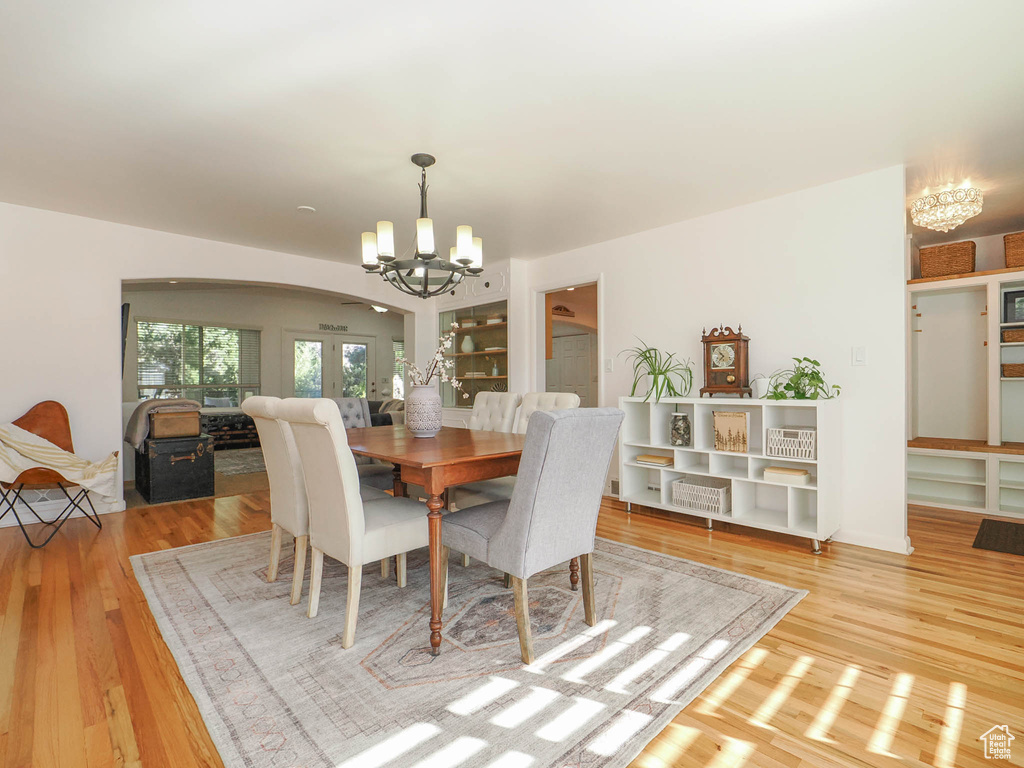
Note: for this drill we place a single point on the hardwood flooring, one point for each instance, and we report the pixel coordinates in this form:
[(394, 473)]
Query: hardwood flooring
[(891, 660)]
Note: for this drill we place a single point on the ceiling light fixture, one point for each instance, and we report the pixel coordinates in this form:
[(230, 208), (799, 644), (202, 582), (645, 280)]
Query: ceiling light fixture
[(947, 210), (425, 274), (376, 308)]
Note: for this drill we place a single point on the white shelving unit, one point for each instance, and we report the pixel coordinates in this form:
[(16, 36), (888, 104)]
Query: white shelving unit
[(809, 510), (965, 420)]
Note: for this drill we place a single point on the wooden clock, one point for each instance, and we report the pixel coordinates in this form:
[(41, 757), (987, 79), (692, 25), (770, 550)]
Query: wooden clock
[(726, 369)]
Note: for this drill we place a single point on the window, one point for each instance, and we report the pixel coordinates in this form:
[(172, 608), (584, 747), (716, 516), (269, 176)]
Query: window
[(214, 365), (398, 377)]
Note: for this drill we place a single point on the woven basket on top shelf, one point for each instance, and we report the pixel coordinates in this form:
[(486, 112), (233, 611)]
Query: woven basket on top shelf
[(1013, 370), (1013, 246), (1013, 335), (951, 259)]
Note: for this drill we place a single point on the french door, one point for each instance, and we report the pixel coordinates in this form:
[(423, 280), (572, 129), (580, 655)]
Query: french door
[(329, 365)]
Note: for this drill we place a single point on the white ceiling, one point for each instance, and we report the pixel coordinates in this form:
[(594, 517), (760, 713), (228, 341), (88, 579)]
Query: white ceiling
[(555, 124)]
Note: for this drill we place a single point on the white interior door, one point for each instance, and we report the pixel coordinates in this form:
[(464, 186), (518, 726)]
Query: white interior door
[(569, 368)]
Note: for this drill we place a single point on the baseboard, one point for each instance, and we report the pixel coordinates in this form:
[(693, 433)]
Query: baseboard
[(50, 509), (901, 546)]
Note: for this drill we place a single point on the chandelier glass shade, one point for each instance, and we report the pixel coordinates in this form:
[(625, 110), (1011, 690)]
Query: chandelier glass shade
[(947, 210), (422, 273)]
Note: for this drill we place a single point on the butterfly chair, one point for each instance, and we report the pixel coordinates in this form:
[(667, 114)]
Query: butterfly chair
[(341, 525), (289, 509), (48, 420), (552, 515)]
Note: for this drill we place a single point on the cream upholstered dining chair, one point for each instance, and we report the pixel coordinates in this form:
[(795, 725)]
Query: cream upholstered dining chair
[(341, 525), (289, 510), (552, 515), (494, 411), (501, 488)]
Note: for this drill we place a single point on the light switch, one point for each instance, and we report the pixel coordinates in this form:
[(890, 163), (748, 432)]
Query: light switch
[(609, 364), (858, 356)]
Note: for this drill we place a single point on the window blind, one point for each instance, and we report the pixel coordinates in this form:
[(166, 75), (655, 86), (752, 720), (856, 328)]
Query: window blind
[(398, 375), (201, 363)]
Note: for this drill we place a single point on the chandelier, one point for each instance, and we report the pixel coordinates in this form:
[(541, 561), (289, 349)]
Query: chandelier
[(947, 210), (424, 274)]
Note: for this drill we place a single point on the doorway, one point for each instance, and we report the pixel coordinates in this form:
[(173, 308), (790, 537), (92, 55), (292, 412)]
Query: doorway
[(571, 342), (330, 365)]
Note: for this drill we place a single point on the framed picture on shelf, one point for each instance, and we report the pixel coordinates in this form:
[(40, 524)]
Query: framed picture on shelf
[(731, 430), (1013, 307)]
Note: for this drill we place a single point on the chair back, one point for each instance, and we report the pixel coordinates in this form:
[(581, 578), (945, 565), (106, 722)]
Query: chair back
[(49, 420), (336, 523), (289, 507), (355, 411), (544, 401), (495, 411), (552, 516)]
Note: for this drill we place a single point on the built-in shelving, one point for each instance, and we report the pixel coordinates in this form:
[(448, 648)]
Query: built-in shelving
[(490, 364), (810, 510), (955, 327)]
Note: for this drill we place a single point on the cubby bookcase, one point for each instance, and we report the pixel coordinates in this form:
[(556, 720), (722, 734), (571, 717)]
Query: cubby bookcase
[(811, 510)]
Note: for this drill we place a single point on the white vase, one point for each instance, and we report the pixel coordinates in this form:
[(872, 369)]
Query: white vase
[(467, 344), (423, 410)]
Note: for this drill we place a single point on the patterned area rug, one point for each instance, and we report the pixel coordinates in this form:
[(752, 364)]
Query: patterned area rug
[(243, 461), (277, 689)]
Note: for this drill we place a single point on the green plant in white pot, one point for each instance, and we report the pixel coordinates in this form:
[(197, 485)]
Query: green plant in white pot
[(669, 377), (804, 381)]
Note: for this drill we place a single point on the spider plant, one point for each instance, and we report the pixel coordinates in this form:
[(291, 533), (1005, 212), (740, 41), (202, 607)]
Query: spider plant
[(669, 377), (804, 381)]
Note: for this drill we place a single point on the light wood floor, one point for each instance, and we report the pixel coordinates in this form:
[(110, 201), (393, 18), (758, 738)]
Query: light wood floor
[(890, 660)]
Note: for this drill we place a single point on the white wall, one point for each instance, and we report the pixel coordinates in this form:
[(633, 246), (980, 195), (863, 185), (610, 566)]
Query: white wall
[(811, 273), (273, 315), (60, 325)]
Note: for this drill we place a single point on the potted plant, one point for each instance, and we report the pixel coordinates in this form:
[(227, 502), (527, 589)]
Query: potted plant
[(804, 381), (423, 405), (669, 377)]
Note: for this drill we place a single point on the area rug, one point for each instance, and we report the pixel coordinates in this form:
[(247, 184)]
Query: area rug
[(277, 689), (1000, 536), (243, 461)]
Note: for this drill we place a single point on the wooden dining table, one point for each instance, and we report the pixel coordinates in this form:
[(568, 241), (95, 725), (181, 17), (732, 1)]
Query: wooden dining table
[(454, 456)]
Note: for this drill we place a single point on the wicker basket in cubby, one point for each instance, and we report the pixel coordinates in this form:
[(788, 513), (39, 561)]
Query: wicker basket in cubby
[(1013, 246), (1012, 335), (951, 259), (703, 494), (1013, 370)]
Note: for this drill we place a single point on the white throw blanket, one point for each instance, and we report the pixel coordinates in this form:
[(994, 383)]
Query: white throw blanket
[(21, 450)]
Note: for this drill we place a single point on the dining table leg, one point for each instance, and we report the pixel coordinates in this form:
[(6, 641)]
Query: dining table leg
[(434, 506), (398, 487)]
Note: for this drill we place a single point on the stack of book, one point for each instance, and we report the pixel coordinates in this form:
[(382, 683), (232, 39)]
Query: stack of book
[(653, 460)]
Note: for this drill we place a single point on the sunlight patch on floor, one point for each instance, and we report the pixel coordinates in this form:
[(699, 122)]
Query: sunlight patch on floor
[(646, 663), (622, 729), (892, 714), (728, 686), (952, 722), (490, 691), (456, 753), (762, 717), (664, 693), (571, 720), (393, 746), (613, 649), (829, 711), (523, 710), (564, 649)]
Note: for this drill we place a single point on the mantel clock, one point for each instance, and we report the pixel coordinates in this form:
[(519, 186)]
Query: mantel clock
[(726, 369)]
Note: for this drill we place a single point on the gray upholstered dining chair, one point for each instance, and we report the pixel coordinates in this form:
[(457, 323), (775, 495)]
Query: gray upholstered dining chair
[(289, 509), (500, 488), (341, 525), (355, 414), (552, 515)]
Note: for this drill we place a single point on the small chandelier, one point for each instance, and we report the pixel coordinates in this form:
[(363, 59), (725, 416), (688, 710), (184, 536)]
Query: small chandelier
[(947, 210), (424, 274)]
